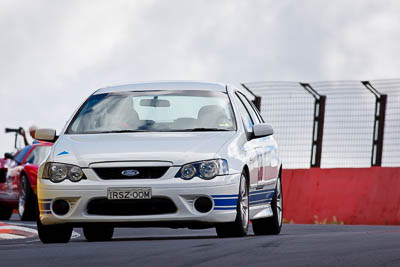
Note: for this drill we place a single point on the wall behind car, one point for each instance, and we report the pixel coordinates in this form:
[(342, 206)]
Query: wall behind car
[(342, 195), (340, 147)]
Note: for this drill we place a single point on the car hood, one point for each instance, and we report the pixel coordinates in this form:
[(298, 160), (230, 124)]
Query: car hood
[(177, 148)]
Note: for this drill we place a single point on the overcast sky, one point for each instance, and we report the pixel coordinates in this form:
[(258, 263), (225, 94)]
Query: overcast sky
[(55, 53)]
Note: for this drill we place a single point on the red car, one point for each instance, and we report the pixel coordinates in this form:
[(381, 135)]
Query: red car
[(18, 175)]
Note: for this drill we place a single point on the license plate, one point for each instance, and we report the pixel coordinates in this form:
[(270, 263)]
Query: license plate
[(129, 193)]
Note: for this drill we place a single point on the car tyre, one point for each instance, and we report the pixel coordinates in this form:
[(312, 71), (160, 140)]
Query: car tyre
[(95, 233), (27, 201), (271, 225), (57, 233), (5, 213), (240, 226)]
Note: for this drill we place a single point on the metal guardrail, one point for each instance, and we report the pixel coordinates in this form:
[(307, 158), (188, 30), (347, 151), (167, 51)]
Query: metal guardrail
[(333, 124)]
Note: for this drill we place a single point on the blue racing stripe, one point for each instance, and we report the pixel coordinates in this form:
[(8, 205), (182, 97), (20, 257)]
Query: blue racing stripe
[(262, 191), (260, 196), (225, 202), (224, 196), (44, 206)]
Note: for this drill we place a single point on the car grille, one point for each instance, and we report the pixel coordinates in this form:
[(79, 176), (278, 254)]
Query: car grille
[(143, 172), (131, 207)]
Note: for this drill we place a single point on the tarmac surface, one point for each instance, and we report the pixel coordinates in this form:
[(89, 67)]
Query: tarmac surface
[(297, 245)]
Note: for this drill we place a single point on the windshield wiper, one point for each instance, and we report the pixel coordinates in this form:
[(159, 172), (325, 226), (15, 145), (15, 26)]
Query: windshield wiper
[(123, 131), (114, 131), (203, 130)]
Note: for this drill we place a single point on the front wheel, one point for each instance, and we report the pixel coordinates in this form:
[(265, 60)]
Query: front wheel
[(27, 203), (57, 233), (271, 225), (239, 227), (94, 233)]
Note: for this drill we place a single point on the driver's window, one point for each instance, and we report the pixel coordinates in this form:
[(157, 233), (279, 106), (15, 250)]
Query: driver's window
[(19, 157), (38, 154), (31, 157), (249, 108)]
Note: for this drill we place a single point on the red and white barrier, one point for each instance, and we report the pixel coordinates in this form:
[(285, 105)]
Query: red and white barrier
[(351, 196), (9, 231)]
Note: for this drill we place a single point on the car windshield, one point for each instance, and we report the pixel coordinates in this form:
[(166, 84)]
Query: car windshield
[(154, 111)]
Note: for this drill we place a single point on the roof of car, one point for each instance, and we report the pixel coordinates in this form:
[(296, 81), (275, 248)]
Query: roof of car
[(165, 85)]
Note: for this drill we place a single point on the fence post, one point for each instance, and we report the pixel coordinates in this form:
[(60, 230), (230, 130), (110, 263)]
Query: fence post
[(379, 124), (257, 99), (318, 125)]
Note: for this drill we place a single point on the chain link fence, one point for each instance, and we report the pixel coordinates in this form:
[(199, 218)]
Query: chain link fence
[(360, 126), (348, 125)]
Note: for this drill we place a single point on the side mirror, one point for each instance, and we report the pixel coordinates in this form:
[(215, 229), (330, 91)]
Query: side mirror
[(262, 129), (8, 156), (48, 135)]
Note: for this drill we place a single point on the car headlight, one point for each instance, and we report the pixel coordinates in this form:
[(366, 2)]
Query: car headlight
[(58, 172), (207, 169), (188, 171)]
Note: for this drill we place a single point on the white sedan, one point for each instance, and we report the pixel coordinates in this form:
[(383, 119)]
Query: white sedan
[(170, 154)]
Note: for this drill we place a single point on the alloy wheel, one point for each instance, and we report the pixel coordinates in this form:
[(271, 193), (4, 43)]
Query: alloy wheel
[(279, 201), (22, 197), (244, 201)]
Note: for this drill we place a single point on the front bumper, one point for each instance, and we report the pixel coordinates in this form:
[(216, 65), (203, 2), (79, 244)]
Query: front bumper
[(222, 190)]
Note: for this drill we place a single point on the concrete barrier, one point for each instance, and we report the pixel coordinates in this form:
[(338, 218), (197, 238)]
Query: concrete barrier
[(349, 196)]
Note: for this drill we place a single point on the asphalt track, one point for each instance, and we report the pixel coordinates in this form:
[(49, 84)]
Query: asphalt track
[(298, 245)]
